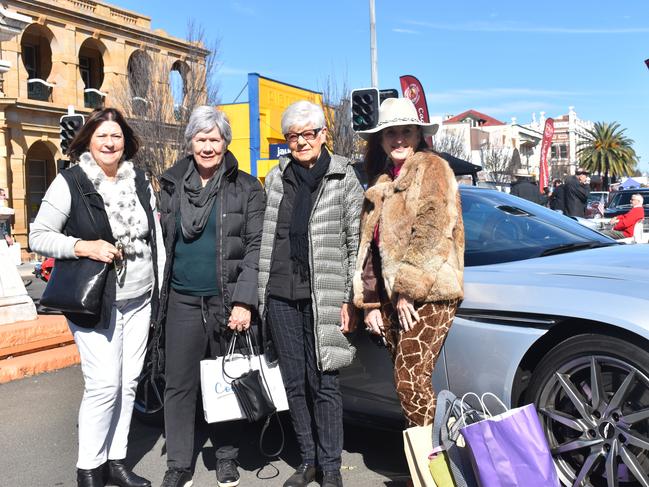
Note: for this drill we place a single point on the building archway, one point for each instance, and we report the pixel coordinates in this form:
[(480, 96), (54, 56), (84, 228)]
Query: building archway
[(36, 53), (91, 69), (40, 170)]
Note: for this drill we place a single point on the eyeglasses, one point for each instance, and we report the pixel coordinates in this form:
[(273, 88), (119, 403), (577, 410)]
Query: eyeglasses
[(306, 135)]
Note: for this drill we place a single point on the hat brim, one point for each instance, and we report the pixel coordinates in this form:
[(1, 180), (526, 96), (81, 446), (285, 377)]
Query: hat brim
[(429, 129)]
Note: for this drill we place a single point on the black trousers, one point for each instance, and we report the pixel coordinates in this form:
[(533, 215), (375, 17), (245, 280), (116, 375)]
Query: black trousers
[(190, 325), (314, 397)]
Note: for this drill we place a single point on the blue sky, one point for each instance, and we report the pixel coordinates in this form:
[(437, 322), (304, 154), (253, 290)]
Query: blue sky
[(504, 58)]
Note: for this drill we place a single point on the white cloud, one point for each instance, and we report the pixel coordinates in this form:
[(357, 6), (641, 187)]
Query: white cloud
[(230, 71), (243, 8), (517, 27), (406, 31)]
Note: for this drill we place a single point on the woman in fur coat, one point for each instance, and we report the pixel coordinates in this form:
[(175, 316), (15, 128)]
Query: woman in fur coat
[(410, 262)]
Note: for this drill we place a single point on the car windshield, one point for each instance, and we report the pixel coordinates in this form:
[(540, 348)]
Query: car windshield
[(624, 199), (502, 228)]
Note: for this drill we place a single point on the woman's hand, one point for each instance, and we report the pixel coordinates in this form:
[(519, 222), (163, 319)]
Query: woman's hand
[(97, 250), (373, 321), (240, 317), (407, 313), (347, 321)]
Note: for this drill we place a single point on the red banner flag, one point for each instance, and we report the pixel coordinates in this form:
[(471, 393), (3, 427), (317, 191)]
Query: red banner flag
[(412, 89), (544, 175)]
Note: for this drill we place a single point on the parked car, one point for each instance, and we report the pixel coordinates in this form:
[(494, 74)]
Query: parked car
[(621, 202), (555, 314)]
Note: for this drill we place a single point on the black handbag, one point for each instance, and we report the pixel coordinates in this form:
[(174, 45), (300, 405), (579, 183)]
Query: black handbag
[(77, 285), (251, 391), (249, 388)]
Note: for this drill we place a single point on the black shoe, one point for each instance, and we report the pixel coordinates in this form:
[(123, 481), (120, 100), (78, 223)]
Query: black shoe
[(122, 476), (332, 479), (227, 474), (303, 476), (93, 477), (177, 477)]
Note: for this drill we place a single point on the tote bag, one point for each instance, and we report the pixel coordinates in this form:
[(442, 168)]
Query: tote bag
[(219, 401)]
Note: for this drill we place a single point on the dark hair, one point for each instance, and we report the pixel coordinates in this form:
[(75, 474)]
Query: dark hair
[(374, 161), (81, 141)]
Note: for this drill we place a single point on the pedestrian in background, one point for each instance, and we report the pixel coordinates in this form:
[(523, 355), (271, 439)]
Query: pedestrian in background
[(5, 225), (307, 262), (112, 346), (211, 216), (575, 193), (556, 200), (523, 187), (409, 272)]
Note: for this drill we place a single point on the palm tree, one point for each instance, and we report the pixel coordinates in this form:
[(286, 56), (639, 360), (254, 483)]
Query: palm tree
[(607, 150)]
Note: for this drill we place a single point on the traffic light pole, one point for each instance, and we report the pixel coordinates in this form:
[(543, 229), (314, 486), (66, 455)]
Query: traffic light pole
[(373, 57)]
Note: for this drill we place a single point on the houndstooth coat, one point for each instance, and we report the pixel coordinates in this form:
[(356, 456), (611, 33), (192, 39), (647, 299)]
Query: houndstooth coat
[(333, 243)]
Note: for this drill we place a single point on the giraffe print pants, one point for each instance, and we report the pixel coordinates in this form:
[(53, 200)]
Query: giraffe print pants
[(414, 354)]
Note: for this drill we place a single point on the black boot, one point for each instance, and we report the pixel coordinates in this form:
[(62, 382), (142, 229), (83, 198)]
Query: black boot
[(93, 477), (303, 476), (122, 476)]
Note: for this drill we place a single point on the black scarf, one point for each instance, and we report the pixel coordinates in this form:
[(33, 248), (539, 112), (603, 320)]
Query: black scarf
[(196, 201), (308, 181)]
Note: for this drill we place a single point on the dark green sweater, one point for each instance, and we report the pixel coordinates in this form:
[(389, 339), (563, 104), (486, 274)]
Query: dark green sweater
[(194, 267)]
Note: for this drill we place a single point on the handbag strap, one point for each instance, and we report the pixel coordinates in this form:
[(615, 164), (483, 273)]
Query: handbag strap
[(263, 433), (85, 202), (445, 400), (230, 353)]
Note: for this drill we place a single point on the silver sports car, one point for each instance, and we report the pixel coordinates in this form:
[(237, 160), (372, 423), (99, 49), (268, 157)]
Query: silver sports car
[(555, 314)]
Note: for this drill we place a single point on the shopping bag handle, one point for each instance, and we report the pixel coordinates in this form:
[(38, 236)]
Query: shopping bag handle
[(230, 353), (484, 405)]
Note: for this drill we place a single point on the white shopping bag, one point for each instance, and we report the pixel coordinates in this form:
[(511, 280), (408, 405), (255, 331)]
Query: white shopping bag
[(219, 402)]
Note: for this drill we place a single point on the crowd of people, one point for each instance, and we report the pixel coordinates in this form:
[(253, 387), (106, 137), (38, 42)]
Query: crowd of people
[(297, 263)]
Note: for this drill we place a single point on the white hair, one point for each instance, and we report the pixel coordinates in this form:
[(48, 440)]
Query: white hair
[(206, 118), (302, 113)]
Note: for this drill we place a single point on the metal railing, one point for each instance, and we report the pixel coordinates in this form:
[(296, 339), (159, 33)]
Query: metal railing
[(38, 89), (93, 98)]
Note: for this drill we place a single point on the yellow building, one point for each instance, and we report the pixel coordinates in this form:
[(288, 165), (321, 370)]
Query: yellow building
[(257, 139), (72, 52)]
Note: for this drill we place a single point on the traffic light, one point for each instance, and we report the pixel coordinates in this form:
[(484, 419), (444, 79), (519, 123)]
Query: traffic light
[(365, 108), (69, 126), (389, 93)]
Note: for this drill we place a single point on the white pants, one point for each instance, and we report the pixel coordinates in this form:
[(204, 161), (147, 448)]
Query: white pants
[(111, 361)]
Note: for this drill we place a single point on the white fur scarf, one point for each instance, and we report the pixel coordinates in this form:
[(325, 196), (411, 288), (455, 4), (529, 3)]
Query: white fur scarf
[(128, 225)]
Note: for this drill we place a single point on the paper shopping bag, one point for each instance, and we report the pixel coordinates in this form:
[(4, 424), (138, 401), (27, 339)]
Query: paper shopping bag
[(417, 446), (510, 450)]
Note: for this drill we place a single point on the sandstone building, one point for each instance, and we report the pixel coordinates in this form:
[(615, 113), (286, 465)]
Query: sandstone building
[(72, 52)]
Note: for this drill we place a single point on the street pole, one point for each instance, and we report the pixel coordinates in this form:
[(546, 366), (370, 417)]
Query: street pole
[(375, 72)]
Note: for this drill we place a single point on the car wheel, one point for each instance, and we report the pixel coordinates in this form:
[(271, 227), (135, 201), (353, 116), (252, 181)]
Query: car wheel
[(592, 393), (149, 396)]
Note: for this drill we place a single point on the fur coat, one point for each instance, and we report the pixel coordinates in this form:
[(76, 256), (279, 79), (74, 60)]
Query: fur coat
[(421, 239)]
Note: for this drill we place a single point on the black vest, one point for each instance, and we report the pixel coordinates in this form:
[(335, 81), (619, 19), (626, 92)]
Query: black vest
[(80, 225)]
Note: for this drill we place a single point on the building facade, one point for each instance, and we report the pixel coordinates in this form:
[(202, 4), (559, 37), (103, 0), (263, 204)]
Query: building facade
[(77, 53)]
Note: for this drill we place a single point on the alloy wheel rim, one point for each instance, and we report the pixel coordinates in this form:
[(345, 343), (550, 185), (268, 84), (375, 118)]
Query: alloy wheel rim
[(595, 412)]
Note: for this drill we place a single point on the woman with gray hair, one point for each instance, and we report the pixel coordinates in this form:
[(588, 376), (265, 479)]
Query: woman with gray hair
[(308, 253), (211, 216)]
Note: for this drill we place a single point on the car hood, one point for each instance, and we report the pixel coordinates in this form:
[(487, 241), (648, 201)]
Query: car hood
[(606, 285), (616, 262)]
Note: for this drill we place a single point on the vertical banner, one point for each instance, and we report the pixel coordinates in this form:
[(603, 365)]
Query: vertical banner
[(412, 89), (544, 175)]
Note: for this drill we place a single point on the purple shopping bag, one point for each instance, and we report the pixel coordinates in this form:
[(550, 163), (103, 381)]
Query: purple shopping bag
[(510, 450)]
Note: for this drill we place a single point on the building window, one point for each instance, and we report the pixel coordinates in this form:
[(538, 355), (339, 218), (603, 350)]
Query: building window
[(563, 151), (36, 186), (30, 60), (85, 64)]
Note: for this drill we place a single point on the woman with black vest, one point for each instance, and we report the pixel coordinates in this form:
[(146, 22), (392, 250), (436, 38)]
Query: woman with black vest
[(112, 346), (211, 217)]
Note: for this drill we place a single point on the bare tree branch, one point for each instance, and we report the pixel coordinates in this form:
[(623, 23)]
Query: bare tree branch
[(156, 107), (336, 104), (497, 162), (452, 143)]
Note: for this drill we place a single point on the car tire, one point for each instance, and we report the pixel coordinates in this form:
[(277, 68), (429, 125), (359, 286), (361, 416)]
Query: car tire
[(592, 394)]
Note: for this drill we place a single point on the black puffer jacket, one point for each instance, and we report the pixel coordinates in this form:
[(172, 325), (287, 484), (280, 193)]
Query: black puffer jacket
[(240, 204), (575, 197)]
